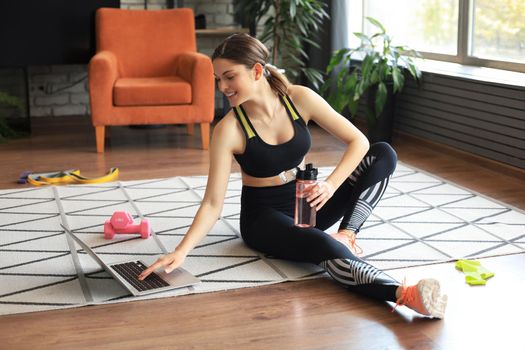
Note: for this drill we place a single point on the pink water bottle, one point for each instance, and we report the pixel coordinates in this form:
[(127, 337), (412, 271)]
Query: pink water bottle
[(304, 213)]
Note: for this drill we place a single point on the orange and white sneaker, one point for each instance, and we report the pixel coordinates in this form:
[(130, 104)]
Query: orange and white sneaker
[(348, 238), (424, 297)]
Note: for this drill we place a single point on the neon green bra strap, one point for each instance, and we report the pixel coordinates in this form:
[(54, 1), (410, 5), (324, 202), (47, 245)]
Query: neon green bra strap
[(289, 106), (244, 121)]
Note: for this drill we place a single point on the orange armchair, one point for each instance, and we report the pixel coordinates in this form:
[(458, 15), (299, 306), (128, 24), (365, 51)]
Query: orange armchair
[(147, 71)]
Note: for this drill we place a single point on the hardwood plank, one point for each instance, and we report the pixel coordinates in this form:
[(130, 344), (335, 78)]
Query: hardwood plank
[(316, 314)]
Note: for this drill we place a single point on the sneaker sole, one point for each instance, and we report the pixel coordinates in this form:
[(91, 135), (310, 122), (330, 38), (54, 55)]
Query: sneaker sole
[(434, 302)]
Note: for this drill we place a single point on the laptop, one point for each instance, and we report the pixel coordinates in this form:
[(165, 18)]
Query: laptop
[(126, 273)]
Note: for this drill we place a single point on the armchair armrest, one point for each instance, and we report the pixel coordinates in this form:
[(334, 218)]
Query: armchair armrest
[(197, 70), (103, 72)]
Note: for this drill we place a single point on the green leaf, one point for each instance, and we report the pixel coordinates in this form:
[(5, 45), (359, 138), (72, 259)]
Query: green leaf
[(353, 107), (376, 23), (349, 88), (381, 95), (317, 74), (370, 116), (374, 76), (363, 37), (330, 98), (10, 101), (296, 59), (324, 88), (361, 87), (397, 77), (366, 67), (302, 28), (341, 75), (314, 76), (293, 9), (414, 72), (311, 42)]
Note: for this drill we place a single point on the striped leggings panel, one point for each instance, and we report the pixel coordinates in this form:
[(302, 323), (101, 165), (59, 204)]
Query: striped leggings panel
[(361, 277), (369, 180)]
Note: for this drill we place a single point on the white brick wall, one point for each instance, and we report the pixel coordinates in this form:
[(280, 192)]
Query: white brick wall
[(58, 90), (51, 89)]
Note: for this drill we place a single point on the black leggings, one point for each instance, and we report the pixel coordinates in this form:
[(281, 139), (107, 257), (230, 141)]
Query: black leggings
[(267, 224)]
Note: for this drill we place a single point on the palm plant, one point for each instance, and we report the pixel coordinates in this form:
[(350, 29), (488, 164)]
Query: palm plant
[(249, 13), (290, 24)]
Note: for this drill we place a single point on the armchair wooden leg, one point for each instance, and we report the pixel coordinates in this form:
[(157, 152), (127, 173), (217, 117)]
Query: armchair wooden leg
[(205, 135), (99, 132), (191, 129)]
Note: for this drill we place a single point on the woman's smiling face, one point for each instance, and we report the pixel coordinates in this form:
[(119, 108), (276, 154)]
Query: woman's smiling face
[(234, 80)]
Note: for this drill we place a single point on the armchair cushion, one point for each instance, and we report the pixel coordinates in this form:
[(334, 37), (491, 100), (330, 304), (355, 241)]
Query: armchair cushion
[(153, 91)]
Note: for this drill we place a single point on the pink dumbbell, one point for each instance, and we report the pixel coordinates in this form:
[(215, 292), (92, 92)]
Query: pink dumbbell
[(122, 222)]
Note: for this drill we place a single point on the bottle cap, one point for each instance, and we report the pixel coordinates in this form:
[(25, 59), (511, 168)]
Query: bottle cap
[(309, 173)]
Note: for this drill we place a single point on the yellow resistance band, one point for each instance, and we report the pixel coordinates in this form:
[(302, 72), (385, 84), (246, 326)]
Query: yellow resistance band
[(71, 176)]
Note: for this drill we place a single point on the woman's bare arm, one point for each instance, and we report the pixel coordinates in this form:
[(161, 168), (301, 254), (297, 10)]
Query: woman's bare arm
[(311, 106), (224, 140)]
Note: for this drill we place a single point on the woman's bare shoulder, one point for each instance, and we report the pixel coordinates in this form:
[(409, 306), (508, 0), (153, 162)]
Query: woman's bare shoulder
[(305, 99), (227, 123), (229, 131), (298, 92)]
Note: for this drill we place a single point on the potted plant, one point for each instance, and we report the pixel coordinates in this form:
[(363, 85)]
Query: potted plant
[(379, 75), (288, 26)]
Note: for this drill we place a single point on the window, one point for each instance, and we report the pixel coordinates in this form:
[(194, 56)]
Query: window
[(487, 33)]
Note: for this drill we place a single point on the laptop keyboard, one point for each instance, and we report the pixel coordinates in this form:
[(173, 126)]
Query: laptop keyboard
[(130, 270)]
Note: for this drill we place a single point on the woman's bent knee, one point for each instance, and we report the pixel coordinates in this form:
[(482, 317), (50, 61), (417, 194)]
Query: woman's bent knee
[(385, 154)]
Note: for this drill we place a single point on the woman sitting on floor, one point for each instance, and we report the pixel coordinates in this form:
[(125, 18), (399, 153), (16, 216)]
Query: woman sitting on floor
[(266, 132)]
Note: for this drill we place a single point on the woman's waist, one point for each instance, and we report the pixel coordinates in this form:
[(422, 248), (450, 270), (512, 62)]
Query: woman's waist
[(280, 196), (282, 178)]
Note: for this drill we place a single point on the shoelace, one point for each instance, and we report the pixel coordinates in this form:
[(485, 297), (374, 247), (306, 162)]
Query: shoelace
[(405, 296), (409, 297), (352, 244), (352, 238)]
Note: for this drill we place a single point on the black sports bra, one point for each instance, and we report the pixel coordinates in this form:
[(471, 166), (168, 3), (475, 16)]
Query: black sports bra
[(261, 159)]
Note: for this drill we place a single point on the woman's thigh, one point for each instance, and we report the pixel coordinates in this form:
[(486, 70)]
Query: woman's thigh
[(274, 233), (342, 201)]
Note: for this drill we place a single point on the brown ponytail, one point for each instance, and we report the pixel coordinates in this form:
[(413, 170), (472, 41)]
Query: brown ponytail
[(247, 50)]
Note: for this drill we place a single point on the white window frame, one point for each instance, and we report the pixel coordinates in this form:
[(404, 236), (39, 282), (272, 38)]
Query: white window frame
[(464, 42)]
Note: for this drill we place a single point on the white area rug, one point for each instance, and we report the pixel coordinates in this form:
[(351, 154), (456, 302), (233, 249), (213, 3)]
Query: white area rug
[(421, 219)]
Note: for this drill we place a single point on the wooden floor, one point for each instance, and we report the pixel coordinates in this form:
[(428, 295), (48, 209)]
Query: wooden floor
[(315, 314)]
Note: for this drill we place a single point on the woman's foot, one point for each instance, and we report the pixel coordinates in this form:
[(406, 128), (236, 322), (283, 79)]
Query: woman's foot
[(348, 238), (424, 297)]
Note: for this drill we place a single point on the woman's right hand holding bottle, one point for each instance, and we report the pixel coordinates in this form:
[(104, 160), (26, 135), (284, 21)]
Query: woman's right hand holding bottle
[(168, 262)]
